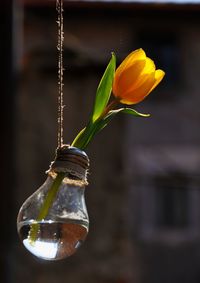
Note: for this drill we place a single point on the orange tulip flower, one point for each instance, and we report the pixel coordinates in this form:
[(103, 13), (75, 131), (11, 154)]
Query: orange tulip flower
[(135, 78)]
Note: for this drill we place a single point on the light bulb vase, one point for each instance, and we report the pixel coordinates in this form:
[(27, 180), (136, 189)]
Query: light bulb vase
[(53, 222)]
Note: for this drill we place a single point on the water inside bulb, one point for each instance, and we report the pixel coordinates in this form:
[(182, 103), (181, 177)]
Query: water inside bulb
[(53, 240), (54, 231)]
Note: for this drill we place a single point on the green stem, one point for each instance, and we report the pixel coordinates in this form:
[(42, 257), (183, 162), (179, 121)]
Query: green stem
[(80, 138), (109, 107), (86, 135), (46, 206)]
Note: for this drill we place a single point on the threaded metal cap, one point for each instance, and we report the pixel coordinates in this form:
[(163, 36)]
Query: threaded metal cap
[(71, 160)]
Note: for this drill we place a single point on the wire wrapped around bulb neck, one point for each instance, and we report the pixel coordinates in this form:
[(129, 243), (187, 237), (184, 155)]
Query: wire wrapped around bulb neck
[(72, 161)]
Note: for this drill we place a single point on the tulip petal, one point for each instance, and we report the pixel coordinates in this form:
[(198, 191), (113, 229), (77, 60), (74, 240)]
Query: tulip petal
[(149, 66), (159, 74), (138, 54), (141, 79), (143, 75), (136, 95), (128, 78)]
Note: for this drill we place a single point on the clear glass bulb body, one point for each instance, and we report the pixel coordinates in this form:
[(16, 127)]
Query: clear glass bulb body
[(63, 226)]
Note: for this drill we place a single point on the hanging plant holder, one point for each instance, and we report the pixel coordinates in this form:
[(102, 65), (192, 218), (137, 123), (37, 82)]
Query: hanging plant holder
[(53, 222)]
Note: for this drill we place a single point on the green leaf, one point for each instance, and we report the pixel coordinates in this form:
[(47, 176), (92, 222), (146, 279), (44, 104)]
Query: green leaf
[(104, 89), (79, 139), (102, 97), (83, 136), (102, 123), (111, 114), (132, 112), (86, 135)]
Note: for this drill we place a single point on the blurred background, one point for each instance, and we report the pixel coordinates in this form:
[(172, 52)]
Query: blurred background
[(143, 196)]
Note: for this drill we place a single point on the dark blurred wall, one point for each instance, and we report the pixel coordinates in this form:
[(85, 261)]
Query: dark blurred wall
[(6, 140), (136, 234)]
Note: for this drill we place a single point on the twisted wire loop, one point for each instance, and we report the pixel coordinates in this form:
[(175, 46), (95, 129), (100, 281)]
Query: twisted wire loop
[(60, 22)]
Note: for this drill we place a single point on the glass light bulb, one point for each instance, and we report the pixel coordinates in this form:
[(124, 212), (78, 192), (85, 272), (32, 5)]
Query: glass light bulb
[(53, 222)]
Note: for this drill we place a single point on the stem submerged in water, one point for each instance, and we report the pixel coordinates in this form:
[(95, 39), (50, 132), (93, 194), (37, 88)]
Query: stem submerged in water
[(46, 206)]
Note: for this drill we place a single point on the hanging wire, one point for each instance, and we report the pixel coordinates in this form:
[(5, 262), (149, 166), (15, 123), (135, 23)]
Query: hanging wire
[(59, 8)]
